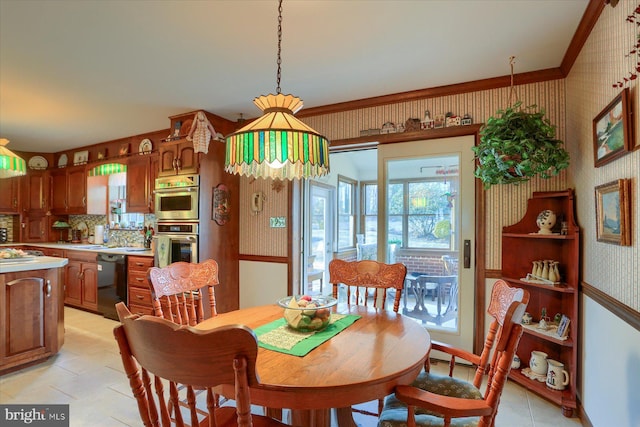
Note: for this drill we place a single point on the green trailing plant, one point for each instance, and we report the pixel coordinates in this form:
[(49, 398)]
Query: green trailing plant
[(517, 144)]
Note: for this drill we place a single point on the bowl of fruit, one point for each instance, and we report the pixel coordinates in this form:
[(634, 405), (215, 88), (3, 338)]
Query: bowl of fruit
[(307, 313)]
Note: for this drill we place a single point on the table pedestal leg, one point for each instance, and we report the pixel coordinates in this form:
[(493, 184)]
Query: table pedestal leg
[(311, 418), (345, 417)]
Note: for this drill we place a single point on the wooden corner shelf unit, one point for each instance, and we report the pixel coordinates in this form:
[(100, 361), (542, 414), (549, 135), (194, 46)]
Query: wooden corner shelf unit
[(521, 245)]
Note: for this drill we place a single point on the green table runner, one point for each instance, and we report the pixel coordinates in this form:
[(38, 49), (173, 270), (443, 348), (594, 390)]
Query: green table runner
[(277, 336)]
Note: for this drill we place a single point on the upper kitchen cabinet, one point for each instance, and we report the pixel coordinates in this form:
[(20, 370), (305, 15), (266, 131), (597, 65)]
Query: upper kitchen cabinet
[(177, 154), (10, 195), (141, 174), (36, 193), (177, 157), (69, 190)]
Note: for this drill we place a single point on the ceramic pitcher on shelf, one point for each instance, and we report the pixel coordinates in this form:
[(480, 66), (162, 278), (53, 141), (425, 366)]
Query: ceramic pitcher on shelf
[(538, 363)]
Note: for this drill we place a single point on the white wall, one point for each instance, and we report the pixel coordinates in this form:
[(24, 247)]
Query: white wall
[(610, 368), (262, 283)]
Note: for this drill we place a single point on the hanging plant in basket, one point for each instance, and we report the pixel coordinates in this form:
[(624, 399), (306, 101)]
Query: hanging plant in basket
[(517, 144)]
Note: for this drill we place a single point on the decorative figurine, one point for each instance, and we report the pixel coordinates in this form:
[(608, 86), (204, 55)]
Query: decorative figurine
[(201, 132), (546, 220)]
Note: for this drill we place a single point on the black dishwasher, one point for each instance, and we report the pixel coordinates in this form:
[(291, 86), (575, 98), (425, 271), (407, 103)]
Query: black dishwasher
[(112, 283)]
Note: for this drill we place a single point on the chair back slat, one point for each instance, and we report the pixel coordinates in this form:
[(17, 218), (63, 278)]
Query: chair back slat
[(366, 277)]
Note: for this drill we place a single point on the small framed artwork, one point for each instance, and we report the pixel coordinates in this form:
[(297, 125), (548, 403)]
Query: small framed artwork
[(102, 153), (612, 130), (563, 326), (124, 149), (613, 212), (80, 157), (221, 204)]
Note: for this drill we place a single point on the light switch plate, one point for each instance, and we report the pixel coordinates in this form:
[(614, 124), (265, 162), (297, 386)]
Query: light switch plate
[(277, 222)]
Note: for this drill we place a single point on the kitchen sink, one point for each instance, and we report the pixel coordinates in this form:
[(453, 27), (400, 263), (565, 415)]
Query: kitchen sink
[(88, 247)]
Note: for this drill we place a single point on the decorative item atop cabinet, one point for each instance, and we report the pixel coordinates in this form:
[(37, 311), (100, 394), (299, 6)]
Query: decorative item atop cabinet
[(523, 245)]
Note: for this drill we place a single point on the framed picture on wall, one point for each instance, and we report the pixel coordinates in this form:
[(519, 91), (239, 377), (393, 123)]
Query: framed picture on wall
[(612, 130), (613, 211)]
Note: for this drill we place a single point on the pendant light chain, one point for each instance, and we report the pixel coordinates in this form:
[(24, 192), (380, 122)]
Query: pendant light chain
[(279, 62), (512, 95)]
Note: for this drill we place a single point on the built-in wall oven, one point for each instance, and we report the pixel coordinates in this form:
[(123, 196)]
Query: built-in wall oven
[(176, 241), (176, 198)]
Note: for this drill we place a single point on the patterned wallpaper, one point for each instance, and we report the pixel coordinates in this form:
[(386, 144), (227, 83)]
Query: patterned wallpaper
[(256, 235), (571, 104), (506, 204), (613, 269)]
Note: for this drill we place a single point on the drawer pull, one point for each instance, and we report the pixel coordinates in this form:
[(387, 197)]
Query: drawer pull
[(139, 264), (140, 297), (139, 279)]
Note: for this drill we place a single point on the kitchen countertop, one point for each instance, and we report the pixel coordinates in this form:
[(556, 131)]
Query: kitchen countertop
[(87, 247), (31, 263)]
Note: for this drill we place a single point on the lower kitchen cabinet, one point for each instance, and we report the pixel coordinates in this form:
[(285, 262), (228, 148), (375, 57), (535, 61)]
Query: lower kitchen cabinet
[(81, 280), (31, 317), (138, 284)]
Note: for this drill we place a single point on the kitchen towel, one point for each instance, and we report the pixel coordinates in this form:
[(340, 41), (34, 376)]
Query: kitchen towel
[(164, 250)]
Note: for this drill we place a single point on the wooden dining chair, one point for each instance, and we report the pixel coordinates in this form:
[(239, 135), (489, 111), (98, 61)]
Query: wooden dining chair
[(364, 280), (434, 400), (157, 354), (178, 291), (177, 294)]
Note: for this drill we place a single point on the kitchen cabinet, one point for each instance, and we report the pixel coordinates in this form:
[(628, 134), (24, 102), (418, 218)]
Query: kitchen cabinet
[(31, 317), (138, 284), (36, 192), (140, 183), (81, 280), (36, 228), (10, 195), (521, 246), (69, 191), (177, 157)]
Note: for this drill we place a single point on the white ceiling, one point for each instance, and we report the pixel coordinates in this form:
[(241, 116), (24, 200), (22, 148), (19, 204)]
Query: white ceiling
[(75, 73)]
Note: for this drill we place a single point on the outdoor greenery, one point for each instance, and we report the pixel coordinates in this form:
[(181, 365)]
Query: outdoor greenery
[(516, 145)]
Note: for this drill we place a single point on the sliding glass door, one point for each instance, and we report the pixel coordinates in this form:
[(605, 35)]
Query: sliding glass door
[(426, 217)]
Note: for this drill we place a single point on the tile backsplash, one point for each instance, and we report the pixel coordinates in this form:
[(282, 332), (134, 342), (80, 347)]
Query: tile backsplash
[(121, 237), (6, 221)]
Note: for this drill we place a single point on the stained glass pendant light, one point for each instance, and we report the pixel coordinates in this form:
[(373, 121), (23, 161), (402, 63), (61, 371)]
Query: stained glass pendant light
[(10, 164), (277, 145)]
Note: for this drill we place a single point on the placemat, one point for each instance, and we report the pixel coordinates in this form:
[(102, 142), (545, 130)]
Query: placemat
[(277, 336)]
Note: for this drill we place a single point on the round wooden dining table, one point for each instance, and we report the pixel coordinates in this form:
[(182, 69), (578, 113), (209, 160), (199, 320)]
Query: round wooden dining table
[(364, 362)]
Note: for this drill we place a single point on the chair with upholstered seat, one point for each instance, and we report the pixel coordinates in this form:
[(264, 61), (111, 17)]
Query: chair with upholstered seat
[(443, 400), (177, 291), (157, 354), (368, 282)]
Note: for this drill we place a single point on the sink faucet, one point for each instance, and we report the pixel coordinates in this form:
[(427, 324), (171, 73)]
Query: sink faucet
[(114, 238)]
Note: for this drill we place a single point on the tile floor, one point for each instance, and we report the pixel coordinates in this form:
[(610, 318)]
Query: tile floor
[(87, 374)]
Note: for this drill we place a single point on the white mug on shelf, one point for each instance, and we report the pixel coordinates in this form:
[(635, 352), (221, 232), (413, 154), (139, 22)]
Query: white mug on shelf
[(557, 376)]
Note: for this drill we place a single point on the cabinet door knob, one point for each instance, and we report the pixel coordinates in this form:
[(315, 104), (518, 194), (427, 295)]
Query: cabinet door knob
[(48, 289)]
